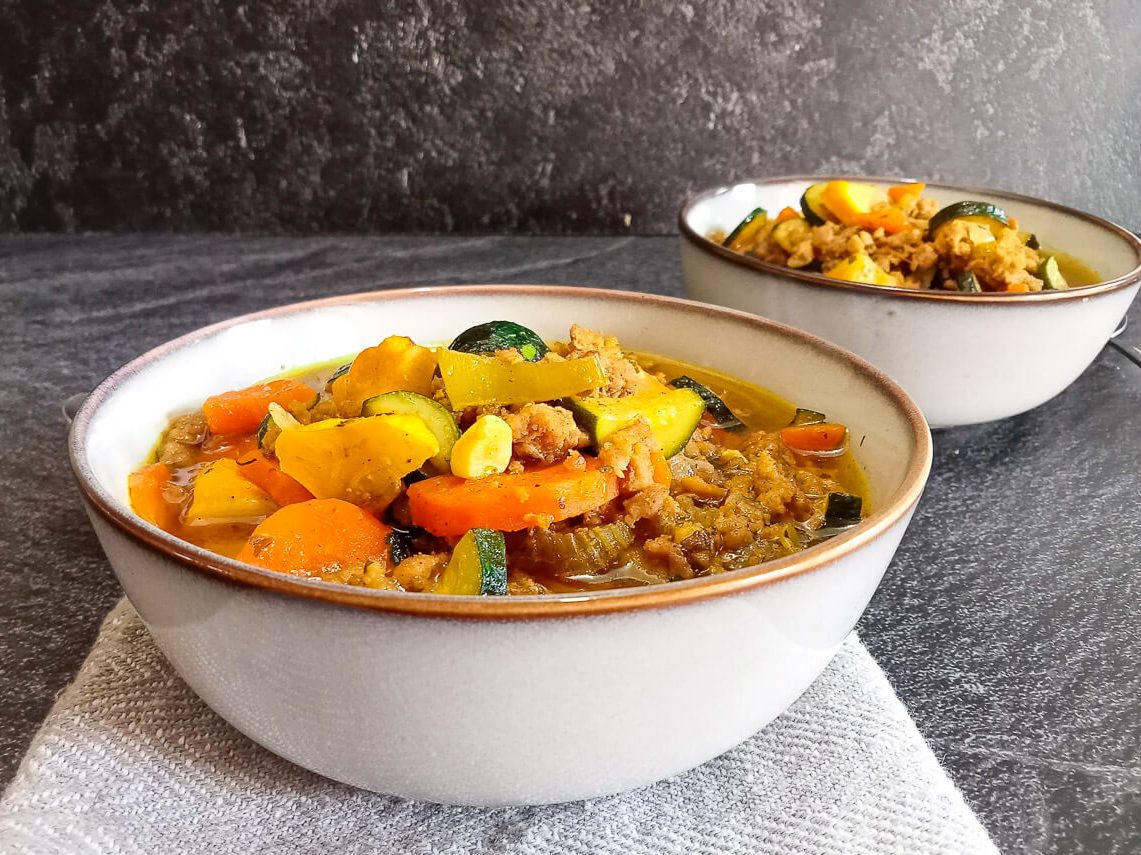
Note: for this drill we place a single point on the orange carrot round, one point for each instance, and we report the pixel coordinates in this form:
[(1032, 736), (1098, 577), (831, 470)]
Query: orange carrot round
[(241, 410), (316, 535), (449, 507), (818, 437)]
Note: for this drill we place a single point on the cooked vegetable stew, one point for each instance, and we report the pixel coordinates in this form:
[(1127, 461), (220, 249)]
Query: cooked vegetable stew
[(898, 237), (502, 464)]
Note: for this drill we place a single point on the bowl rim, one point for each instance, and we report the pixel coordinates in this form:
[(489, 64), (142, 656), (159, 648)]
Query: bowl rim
[(520, 607), (819, 280)]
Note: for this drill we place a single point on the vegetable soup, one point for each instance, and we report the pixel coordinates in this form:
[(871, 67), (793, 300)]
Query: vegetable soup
[(502, 464), (898, 237)]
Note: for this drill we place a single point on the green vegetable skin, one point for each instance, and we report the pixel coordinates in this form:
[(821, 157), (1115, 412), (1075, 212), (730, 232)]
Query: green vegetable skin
[(713, 404), (843, 509), (808, 417), (746, 228), (980, 212), (478, 566), (435, 416), (968, 282), (673, 416), (501, 335), (263, 428), (813, 209)]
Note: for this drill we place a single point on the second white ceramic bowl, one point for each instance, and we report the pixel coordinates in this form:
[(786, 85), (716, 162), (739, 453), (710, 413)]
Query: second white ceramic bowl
[(497, 700), (965, 358)]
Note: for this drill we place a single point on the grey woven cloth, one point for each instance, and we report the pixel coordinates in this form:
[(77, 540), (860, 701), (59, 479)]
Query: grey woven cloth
[(129, 760)]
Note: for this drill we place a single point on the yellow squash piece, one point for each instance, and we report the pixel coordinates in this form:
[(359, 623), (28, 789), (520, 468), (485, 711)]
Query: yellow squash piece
[(360, 460), (397, 364), (851, 201), (223, 495), (861, 268), (471, 380)]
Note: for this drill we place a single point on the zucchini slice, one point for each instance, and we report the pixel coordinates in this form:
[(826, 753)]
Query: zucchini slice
[(1051, 275), (673, 416), (501, 335), (842, 512), (808, 417), (968, 282), (813, 208), (433, 414), (842, 509), (746, 230), (722, 415), (975, 212), (478, 566), (790, 233)]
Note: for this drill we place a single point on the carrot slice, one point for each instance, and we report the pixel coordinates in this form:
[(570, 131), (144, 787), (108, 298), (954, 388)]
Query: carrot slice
[(265, 473), (241, 410), (788, 214), (891, 220), (316, 535), (818, 437), (662, 474), (903, 191), (145, 487), (449, 507)]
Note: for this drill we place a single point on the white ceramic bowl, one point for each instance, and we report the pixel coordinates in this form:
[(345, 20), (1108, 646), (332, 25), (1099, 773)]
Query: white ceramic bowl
[(965, 358), (504, 700)]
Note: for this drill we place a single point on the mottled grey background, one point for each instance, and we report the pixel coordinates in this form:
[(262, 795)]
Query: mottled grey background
[(596, 117)]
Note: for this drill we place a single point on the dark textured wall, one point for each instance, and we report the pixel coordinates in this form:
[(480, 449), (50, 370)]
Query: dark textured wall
[(456, 115)]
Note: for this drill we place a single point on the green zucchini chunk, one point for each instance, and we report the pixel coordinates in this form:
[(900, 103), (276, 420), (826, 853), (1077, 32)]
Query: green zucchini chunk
[(434, 414), (842, 509), (501, 335), (1051, 275), (979, 212), (756, 219), (808, 417), (478, 566), (813, 208), (968, 282), (673, 416), (722, 415)]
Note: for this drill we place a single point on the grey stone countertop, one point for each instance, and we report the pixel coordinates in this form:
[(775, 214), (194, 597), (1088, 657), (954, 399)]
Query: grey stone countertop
[(1008, 621)]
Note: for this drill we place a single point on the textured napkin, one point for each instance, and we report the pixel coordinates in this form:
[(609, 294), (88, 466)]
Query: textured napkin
[(130, 760)]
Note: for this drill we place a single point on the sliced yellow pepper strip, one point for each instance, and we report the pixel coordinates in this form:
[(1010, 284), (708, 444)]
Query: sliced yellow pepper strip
[(472, 380), (359, 460)]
